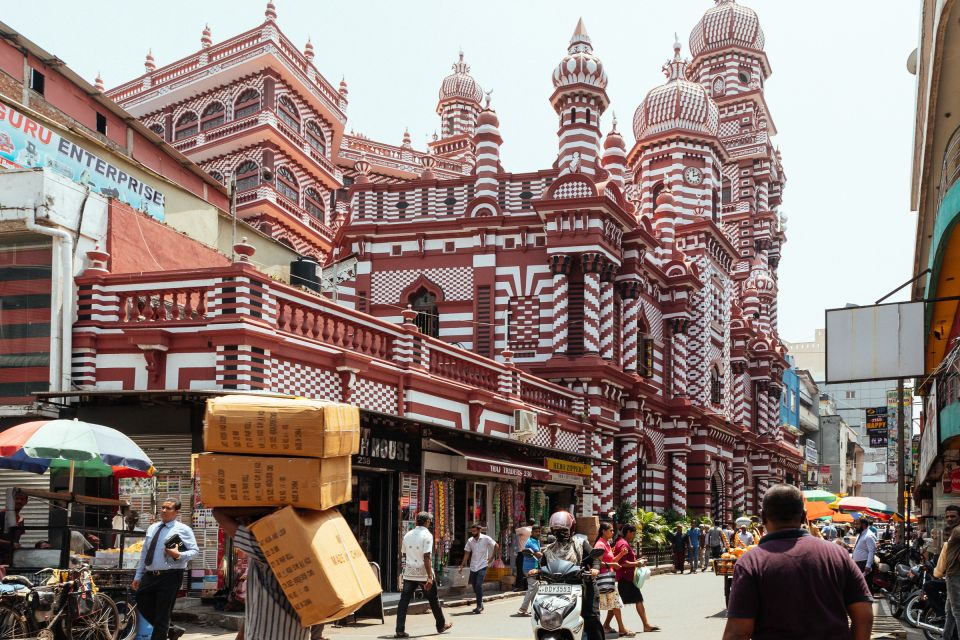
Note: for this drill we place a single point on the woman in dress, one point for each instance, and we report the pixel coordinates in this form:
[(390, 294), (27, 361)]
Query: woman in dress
[(609, 563), (626, 587)]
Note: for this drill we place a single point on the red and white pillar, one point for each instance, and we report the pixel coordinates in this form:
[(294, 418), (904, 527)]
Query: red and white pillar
[(629, 469), (592, 264), (606, 315), (678, 472), (631, 320), (560, 266)]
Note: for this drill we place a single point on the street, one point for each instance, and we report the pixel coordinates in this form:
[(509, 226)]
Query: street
[(682, 606)]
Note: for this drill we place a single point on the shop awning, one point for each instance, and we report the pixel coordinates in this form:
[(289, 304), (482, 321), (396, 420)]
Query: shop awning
[(498, 465)]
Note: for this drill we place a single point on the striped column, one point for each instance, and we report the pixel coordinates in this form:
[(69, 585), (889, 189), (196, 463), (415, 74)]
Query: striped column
[(606, 474), (739, 394), (678, 472), (596, 450), (631, 316), (762, 485), (560, 266), (606, 317), (759, 405), (740, 491), (487, 141), (615, 155), (629, 469), (773, 410), (591, 302), (679, 380)]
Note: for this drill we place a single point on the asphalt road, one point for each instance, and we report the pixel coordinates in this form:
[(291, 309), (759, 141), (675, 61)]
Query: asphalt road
[(683, 607)]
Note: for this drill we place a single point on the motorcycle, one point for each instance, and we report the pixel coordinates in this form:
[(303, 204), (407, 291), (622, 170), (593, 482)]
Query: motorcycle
[(931, 611), (914, 603), (559, 601)]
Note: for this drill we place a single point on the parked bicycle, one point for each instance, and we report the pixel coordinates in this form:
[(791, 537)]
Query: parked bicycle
[(66, 606)]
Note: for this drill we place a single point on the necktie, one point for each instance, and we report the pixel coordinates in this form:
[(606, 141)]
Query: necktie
[(153, 543)]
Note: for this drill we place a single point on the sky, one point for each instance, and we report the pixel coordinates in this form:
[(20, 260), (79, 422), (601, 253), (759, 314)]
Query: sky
[(840, 95)]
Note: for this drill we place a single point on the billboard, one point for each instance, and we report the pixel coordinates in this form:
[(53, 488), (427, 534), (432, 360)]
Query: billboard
[(929, 437), (893, 442), (26, 144), (876, 423), (877, 342)]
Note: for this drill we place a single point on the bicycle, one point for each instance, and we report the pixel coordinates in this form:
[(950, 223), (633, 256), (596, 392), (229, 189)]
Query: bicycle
[(67, 602)]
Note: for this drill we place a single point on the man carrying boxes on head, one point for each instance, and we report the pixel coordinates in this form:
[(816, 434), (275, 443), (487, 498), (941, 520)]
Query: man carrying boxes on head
[(306, 567)]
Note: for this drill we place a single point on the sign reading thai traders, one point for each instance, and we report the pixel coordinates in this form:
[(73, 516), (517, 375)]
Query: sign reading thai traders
[(26, 144)]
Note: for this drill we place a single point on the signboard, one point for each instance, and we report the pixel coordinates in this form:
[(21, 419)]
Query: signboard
[(508, 470), (810, 452), (574, 468), (930, 437), (26, 144), (877, 427), (893, 444), (388, 449), (877, 342)]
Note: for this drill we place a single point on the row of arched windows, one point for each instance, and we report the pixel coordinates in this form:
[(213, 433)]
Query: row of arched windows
[(287, 185), (247, 103)]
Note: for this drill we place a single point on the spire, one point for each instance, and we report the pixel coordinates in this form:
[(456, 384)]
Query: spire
[(406, 139), (271, 12), (206, 38), (98, 83), (486, 142), (675, 69), (308, 50), (150, 64), (580, 40), (615, 155), (460, 66), (343, 86)]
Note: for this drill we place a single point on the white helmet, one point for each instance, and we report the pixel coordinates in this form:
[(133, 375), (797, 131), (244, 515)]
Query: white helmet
[(562, 525)]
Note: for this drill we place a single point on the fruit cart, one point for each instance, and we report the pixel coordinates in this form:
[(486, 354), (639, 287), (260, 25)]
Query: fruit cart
[(724, 565)]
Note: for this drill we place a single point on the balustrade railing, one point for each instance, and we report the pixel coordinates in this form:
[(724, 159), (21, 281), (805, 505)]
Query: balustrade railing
[(448, 365), (317, 324), (168, 305), (540, 395)]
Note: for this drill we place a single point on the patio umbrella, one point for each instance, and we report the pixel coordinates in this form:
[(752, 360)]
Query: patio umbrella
[(80, 448), (819, 495), (859, 503), (817, 510)]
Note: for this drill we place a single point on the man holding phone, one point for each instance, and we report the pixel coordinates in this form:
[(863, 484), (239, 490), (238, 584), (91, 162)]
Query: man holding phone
[(168, 547)]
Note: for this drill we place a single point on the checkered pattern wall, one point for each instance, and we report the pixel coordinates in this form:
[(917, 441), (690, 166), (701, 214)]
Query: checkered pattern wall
[(299, 379), (456, 283), (374, 396), (524, 323)]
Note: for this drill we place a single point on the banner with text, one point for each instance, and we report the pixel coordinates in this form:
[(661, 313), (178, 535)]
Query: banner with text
[(877, 428)]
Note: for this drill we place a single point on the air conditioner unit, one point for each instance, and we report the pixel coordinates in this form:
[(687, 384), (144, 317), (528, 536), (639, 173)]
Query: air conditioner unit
[(524, 425)]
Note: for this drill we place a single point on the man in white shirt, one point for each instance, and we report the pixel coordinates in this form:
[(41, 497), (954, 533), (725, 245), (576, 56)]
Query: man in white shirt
[(418, 572), (866, 546), (743, 537), (478, 554)]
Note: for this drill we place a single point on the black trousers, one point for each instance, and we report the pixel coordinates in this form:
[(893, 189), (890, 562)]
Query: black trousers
[(155, 599), (409, 586), (590, 612), (520, 584)]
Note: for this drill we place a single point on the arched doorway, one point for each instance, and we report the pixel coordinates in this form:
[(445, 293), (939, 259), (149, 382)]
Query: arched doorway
[(425, 304), (717, 497)]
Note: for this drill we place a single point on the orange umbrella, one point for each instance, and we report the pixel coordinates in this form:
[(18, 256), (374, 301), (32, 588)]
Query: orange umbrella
[(842, 517), (817, 510)]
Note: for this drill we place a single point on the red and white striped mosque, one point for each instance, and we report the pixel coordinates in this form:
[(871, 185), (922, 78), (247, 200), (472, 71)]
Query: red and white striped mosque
[(626, 295)]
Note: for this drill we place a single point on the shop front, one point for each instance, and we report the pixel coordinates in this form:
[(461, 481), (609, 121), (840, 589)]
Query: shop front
[(386, 490)]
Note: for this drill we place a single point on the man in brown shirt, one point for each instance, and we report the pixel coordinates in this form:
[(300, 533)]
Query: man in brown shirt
[(794, 586), (948, 566)]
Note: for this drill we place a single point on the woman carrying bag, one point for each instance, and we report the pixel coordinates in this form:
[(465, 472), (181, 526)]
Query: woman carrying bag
[(607, 581), (627, 577)]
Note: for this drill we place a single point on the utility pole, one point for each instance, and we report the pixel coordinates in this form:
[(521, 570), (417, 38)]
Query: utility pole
[(901, 456)]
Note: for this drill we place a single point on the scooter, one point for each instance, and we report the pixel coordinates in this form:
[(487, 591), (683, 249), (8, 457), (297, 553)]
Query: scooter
[(559, 601), (932, 610)]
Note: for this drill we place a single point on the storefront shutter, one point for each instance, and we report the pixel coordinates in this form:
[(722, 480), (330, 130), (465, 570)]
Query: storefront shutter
[(37, 512)]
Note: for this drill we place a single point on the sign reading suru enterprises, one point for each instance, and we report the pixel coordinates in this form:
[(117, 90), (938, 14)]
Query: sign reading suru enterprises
[(26, 144)]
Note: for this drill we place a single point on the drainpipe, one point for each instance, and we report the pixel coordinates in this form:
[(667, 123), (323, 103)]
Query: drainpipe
[(61, 329)]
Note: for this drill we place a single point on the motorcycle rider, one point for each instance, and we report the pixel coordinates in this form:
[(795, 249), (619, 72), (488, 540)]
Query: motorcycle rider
[(572, 550)]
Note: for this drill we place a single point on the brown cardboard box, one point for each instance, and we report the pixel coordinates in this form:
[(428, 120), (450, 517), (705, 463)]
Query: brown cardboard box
[(318, 562), (589, 526), (261, 481), (281, 426)]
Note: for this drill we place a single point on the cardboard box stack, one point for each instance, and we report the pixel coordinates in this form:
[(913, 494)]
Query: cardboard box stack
[(292, 453)]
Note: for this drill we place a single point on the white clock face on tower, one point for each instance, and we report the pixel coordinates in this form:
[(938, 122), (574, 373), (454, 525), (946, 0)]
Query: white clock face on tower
[(693, 175)]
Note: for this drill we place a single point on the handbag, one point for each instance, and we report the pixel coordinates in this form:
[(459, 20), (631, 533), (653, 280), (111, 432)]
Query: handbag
[(607, 582), (640, 576)]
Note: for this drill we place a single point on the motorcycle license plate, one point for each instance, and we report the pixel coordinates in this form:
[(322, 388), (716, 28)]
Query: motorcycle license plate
[(556, 589)]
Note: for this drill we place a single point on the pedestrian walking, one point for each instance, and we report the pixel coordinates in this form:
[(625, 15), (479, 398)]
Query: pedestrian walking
[(693, 538), (268, 614), (479, 552), (829, 532), (728, 531), (523, 534), (794, 586), (678, 542), (418, 574), (716, 541), (529, 564), (610, 563), (866, 546), (948, 567), (742, 538), (168, 547), (629, 564), (704, 548)]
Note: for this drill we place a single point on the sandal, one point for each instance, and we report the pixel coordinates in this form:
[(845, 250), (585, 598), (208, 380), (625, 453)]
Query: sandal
[(627, 634), (651, 629)]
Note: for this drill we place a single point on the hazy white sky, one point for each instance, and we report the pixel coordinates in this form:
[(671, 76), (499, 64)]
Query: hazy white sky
[(840, 95)]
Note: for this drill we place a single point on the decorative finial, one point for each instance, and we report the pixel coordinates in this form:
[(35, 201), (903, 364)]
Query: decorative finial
[(98, 83), (460, 66), (676, 46), (487, 95), (363, 168), (308, 50), (206, 39), (343, 86), (271, 12), (580, 40), (614, 129), (675, 68), (150, 64), (406, 138)]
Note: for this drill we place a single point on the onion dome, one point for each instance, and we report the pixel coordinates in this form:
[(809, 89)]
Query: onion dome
[(678, 104), (580, 66), (206, 38), (150, 64), (760, 283), (308, 50), (727, 25), (98, 83), (460, 85), (488, 117), (271, 12), (614, 140)]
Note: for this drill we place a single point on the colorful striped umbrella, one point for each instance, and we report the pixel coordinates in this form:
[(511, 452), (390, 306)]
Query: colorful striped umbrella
[(819, 495), (860, 503), (81, 448)]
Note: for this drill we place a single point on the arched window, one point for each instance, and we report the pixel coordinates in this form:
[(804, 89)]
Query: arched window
[(588, 116), (213, 116), (157, 129), (451, 125), (287, 184), (248, 176), (425, 304), (287, 111), (216, 175), (644, 351), (247, 103), (657, 188), (313, 203), (186, 126), (316, 138), (573, 116), (716, 386)]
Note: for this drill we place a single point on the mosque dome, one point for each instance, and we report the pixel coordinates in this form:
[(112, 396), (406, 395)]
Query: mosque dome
[(460, 85), (727, 24)]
